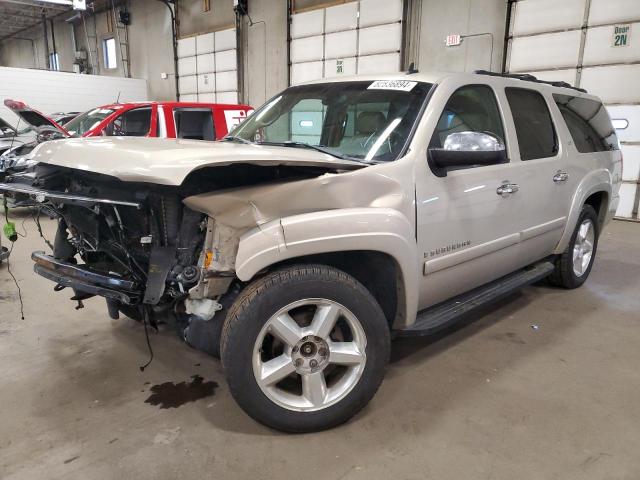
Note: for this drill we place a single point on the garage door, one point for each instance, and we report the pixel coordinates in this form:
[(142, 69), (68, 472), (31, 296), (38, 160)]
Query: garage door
[(355, 37), (207, 68), (593, 44)]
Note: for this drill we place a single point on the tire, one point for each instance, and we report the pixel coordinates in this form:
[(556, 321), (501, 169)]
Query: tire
[(253, 334), (566, 273)]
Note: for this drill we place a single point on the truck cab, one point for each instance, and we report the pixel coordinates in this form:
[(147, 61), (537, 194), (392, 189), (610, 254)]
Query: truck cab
[(197, 121)]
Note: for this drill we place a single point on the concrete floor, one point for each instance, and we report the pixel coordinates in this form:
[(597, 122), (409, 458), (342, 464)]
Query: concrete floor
[(493, 399)]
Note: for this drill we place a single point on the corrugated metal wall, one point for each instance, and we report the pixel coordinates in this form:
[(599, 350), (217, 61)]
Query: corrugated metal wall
[(357, 37), (65, 92), (207, 67)]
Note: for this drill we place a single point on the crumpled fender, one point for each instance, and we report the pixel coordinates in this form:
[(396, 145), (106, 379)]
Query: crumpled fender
[(593, 182), (376, 229)]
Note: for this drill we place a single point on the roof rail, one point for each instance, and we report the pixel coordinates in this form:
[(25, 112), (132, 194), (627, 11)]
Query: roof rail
[(529, 78)]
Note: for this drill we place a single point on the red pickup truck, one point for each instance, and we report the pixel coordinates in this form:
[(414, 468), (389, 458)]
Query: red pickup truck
[(198, 121)]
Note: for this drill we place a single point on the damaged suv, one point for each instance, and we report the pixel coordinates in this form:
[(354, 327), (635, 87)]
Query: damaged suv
[(338, 215)]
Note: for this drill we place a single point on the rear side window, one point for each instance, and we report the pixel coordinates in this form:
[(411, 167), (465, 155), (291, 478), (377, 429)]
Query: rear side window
[(534, 128), (194, 123), (133, 123), (588, 123)]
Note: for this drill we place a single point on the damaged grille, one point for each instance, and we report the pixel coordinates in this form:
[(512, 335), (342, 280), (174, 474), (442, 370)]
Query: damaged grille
[(139, 233)]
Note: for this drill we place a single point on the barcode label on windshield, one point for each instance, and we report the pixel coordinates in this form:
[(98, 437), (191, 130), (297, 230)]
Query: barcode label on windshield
[(402, 85)]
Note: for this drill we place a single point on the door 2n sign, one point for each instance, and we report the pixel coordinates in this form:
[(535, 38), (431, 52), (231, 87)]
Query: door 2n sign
[(621, 35)]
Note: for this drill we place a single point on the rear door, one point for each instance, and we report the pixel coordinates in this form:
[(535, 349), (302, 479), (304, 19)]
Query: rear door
[(540, 157), (194, 123)]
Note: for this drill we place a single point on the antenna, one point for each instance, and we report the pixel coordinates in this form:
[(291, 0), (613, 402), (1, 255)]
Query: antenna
[(118, 99), (412, 69), (14, 137)]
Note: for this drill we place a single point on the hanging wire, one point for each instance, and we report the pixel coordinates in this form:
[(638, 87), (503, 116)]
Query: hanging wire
[(36, 219), (15, 281), (145, 321)]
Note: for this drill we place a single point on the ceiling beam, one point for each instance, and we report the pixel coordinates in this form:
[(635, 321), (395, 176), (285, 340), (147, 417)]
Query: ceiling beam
[(41, 4)]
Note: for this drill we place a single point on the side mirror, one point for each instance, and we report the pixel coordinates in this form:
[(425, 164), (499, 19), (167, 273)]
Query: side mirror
[(467, 149)]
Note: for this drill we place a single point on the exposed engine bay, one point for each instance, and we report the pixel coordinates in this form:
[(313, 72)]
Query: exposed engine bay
[(137, 244)]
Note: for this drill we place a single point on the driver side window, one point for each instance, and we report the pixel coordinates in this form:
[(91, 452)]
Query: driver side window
[(472, 108), (133, 123)]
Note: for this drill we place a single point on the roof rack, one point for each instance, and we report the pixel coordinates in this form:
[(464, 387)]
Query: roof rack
[(529, 78)]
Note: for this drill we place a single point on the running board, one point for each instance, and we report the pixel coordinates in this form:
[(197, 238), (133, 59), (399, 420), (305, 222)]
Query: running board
[(440, 316)]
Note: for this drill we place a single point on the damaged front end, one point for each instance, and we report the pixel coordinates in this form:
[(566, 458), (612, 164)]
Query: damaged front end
[(156, 252), (134, 244)]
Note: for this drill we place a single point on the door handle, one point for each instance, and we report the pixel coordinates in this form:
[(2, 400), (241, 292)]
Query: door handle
[(560, 176), (507, 189)]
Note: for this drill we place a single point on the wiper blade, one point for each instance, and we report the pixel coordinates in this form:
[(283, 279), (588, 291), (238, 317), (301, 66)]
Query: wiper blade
[(231, 138), (317, 148)]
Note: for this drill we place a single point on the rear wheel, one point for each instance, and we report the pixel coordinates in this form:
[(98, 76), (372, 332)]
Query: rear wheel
[(574, 265), (304, 348)]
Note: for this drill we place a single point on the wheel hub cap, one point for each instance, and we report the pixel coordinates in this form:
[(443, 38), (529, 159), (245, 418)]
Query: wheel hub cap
[(310, 354)]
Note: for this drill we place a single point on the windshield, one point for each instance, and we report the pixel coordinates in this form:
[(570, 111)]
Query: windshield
[(366, 121), (86, 121), (6, 130)]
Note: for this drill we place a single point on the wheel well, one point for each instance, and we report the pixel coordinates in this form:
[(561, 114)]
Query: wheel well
[(599, 201), (376, 271)]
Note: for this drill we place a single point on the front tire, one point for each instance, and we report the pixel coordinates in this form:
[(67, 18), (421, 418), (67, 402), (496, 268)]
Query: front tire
[(304, 348), (574, 265)]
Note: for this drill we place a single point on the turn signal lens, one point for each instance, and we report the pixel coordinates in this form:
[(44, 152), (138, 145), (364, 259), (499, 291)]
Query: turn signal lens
[(207, 259)]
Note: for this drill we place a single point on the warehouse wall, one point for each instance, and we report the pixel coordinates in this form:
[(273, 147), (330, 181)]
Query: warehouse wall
[(21, 53), (194, 20), (25, 52), (263, 43), (151, 48), (265, 64), (484, 18)]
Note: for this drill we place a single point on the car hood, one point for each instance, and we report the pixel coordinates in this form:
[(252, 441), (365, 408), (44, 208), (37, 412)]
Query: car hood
[(12, 142), (169, 161), (32, 117)]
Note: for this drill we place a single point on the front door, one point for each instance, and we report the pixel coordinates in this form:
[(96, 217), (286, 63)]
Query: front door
[(469, 221)]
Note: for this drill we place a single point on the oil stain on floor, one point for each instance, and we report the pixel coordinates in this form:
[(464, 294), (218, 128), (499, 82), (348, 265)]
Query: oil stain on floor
[(173, 395)]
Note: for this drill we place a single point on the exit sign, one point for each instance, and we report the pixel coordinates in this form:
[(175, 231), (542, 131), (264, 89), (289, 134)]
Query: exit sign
[(621, 35), (453, 40)]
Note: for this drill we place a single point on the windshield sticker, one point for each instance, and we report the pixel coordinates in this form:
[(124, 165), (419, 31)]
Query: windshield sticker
[(402, 85)]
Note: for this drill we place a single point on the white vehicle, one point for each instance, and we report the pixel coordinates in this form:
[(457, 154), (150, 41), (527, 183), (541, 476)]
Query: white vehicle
[(11, 138), (340, 214)]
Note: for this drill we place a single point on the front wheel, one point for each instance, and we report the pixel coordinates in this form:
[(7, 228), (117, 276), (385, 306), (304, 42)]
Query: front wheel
[(304, 348), (574, 264)]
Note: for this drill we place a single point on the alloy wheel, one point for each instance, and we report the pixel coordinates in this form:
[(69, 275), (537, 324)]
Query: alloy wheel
[(309, 355)]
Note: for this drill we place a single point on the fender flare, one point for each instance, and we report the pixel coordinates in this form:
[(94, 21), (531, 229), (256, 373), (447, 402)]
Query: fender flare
[(594, 182), (372, 229)]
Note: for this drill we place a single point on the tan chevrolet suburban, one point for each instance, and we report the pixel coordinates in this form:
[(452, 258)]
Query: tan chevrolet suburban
[(340, 214)]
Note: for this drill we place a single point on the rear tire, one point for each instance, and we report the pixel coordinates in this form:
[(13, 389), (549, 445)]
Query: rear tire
[(326, 336), (574, 265)]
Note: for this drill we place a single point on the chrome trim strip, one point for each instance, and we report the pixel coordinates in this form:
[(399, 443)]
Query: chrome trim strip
[(453, 259), (544, 228), (9, 187), (470, 253)]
